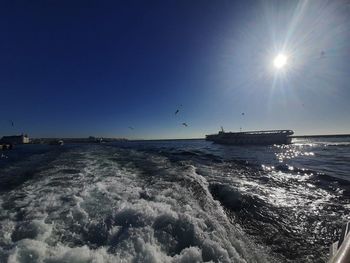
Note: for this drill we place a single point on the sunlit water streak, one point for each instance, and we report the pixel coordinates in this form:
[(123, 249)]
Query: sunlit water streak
[(174, 201)]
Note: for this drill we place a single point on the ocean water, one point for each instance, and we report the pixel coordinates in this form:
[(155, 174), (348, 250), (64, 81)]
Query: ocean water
[(173, 201)]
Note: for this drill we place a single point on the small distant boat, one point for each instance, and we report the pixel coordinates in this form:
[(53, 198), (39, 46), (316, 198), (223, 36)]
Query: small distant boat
[(252, 137), (57, 142), (6, 146)]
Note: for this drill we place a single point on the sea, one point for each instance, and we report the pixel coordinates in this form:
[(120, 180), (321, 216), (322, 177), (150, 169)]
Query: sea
[(173, 201)]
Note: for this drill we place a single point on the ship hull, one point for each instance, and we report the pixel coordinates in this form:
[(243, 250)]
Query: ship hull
[(252, 138)]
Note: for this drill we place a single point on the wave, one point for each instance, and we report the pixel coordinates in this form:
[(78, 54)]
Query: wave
[(164, 203), (110, 205)]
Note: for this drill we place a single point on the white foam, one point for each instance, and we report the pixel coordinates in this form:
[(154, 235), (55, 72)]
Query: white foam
[(28, 251), (109, 213)]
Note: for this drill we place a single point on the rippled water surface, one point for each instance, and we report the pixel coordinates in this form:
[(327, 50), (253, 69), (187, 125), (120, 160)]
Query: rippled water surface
[(173, 201)]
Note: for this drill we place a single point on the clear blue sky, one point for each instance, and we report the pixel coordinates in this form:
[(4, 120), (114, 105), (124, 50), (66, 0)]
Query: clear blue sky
[(80, 68)]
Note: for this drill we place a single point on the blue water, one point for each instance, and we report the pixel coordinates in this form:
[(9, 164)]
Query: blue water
[(173, 201)]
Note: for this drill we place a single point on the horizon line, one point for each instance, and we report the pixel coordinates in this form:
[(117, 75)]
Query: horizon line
[(196, 138)]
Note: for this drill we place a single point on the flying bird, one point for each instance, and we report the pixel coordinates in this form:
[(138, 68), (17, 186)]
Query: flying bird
[(177, 111), (242, 113), (131, 128), (185, 124), (322, 54)]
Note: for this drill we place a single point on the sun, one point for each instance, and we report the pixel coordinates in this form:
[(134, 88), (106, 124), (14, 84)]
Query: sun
[(280, 61)]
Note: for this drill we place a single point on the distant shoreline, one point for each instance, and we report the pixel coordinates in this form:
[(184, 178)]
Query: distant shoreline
[(83, 140)]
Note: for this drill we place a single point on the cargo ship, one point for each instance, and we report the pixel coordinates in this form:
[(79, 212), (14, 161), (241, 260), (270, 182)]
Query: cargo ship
[(252, 137)]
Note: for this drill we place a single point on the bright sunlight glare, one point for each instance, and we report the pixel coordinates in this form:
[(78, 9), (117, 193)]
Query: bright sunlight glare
[(280, 61)]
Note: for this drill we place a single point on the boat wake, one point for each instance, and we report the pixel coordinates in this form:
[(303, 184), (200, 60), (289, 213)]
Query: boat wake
[(173, 202), (104, 204)]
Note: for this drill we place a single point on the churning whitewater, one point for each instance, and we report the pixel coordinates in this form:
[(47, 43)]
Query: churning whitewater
[(101, 204), (166, 202)]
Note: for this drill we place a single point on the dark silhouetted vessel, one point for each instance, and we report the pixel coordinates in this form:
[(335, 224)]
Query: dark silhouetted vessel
[(252, 137), (57, 142)]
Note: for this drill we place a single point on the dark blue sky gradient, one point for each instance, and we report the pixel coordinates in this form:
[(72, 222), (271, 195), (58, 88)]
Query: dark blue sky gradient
[(79, 68)]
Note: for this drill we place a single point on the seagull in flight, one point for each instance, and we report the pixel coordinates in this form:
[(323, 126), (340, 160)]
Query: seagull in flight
[(322, 54), (185, 124), (177, 111)]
